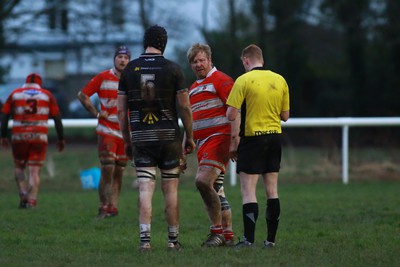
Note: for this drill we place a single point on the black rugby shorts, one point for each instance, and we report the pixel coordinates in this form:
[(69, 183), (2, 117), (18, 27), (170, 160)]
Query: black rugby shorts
[(165, 155), (259, 154)]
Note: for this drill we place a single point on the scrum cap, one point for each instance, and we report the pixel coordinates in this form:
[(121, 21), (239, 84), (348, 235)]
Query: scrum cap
[(34, 78), (155, 36), (124, 50)]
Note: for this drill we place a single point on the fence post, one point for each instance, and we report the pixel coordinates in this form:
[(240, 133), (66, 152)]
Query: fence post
[(232, 172), (345, 154)]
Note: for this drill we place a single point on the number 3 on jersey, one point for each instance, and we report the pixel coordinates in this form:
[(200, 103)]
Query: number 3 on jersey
[(31, 107)]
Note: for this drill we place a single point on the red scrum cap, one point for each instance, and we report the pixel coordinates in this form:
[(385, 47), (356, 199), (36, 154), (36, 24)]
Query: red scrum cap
[(34, 78)]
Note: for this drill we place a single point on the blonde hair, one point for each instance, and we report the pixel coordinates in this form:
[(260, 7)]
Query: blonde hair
[(195, 49), (253, 52)]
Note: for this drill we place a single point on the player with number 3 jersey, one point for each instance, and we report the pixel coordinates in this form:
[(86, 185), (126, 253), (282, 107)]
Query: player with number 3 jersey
[(30, 108)]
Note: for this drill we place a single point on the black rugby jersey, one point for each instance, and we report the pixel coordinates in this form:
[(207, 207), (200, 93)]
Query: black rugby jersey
[(151, 83)]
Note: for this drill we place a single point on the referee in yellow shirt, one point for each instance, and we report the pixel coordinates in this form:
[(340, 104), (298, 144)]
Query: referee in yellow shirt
[(262, 97)]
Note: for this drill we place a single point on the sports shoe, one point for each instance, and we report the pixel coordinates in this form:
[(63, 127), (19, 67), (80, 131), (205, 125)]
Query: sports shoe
[(244, 244), (268, 244), (214, 240), (174, 246), (22, 204), (229, 243), (102, 213), (23, 200), (145, 246)]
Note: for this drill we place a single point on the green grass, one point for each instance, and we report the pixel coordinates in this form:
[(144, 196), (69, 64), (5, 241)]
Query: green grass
[(322, 223)]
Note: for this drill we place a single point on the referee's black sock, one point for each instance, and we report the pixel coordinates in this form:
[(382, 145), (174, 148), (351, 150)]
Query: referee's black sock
[(272, 213), (250, 215)]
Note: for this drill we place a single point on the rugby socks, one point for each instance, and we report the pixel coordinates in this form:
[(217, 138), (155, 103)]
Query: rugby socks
[(31, 203), (216, 229), (173, 234), (250, 215), (229, 235), (145, 233), (272, 216)]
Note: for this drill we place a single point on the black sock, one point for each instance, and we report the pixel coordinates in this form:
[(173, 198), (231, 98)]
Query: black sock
[(250, 215), (272, 215)]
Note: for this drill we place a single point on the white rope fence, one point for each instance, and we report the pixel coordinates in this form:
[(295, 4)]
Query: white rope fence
[(344, 122)]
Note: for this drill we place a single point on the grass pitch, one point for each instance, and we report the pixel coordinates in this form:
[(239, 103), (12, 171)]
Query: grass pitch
[(323, 223)]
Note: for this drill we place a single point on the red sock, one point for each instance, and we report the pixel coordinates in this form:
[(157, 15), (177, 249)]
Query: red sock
[(32, 202), (216, 229), (229, 235)]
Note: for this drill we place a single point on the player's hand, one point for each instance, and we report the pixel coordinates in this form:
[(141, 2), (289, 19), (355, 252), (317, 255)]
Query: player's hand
[(233, 147), (5, 143), (103, 114), (233, 155), (189, 146), (60, 145), (182, 163)]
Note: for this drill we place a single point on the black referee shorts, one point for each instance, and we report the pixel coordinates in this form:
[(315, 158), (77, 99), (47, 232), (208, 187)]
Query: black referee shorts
[(259, 154)]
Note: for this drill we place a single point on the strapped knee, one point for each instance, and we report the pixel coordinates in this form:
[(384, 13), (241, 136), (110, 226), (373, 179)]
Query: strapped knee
[(107, 161), (121, 163), (144, 173), (224, 203), (170, 174)]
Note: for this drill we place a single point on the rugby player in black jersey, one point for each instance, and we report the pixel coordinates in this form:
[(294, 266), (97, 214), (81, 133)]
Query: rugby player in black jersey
[(151, 94)]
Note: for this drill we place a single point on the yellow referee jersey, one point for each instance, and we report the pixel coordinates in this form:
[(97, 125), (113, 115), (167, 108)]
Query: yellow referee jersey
[(261, 95)]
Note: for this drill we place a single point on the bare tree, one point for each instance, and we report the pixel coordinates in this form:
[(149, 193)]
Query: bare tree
[(259, 10), (143, 13), (232, 33), (6, 8)]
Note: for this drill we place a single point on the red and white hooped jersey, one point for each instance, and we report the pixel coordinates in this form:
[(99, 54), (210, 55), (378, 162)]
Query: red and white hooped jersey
[(105, 84), (30, 107), (208, 101)]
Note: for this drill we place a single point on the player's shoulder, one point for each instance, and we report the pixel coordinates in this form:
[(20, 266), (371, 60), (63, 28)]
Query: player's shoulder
[(277, 77), (275, 73), (107, 73), (172, 67), (45, 91), (222, 75), (102, 74), (172, 63), (16, 90)]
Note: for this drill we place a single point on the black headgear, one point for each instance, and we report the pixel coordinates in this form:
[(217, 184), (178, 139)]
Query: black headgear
[(155, 36)]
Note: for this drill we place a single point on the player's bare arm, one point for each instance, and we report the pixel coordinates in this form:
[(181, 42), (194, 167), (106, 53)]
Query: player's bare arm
[(124, 123), (284, 115), (88, 105), (233, 116), (60, 132), (235, 138), (186, 116)]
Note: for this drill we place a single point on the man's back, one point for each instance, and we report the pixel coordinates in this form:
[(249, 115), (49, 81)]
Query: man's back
[(151, 83), (263, 101), (30, 106)]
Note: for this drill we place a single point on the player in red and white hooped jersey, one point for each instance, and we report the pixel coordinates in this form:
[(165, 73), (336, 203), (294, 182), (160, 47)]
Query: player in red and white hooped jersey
[(30, 108), (110, 143), (211, 130)]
